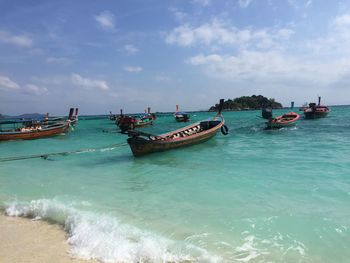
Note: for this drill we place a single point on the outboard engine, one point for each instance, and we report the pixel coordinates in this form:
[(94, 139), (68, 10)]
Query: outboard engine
[(312, 106), (266, 113)]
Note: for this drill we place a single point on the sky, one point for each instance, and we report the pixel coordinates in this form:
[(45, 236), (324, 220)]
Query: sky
[(106, 55)]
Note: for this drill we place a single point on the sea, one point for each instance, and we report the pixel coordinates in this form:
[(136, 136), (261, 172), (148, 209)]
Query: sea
[(253, 195)]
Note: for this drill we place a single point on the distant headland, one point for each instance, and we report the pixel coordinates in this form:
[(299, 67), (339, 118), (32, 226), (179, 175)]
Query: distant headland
[(249, 103)]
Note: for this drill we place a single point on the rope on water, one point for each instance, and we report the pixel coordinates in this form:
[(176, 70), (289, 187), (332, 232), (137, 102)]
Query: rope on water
[(46, 155)]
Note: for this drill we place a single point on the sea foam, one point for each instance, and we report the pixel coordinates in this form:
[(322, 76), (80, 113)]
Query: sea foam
[(105, 238)]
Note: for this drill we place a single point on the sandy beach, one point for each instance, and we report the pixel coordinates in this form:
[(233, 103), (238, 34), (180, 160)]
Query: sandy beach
[(25, 240)]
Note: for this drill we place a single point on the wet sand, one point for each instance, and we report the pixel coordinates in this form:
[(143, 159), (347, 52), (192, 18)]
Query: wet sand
[(24, 240)]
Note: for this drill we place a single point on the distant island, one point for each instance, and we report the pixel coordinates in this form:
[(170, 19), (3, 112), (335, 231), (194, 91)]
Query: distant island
[(248, 103), (27, 116)]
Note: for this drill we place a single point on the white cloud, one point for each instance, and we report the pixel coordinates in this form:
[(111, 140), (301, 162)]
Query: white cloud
[(202, 2), (182, 36), (342, 21), (88, 83), (244, 3), (34, 90), (206, 34), (17, 40), (105, 20), (271, 67), (269, 56), (133, 69), (30, 89), (220, 34), (178, 14), (336, 43), (58, 60), (246, 65), (7, 83), (130, 49)]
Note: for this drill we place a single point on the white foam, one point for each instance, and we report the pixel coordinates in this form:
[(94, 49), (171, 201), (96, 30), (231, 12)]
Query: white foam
[(298, 247), (106, 239), (247, 251), (42, 208), (107, 149)]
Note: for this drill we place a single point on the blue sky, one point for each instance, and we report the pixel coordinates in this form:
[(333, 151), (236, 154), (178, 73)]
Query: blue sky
[(106, 55)]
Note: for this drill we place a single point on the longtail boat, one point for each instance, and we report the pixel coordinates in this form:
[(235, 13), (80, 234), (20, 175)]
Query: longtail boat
[(144, 143), (181, 116), (285, 120), (126, 123), (35, 131), (316, 111)]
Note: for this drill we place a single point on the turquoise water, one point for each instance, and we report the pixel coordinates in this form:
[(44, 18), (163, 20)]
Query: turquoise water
[(250, 196)]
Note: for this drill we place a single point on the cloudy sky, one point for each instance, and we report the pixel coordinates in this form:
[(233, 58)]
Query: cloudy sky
[(106, 55)]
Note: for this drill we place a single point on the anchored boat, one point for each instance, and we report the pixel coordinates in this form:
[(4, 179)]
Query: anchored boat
[(126, 123), (34, 131), (316, 111), (181, 116), (285, 120), (144, 143)]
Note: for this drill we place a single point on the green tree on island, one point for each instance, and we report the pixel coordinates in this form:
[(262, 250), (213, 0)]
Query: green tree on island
[(248, 103)]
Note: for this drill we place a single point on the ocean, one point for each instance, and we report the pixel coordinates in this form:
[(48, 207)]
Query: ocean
[(251, 196)]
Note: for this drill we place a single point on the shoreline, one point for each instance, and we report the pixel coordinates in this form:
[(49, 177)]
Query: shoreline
[(31, 241)]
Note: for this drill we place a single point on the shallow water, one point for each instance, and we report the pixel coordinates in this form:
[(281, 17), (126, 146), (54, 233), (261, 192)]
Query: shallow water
[(250, 196)]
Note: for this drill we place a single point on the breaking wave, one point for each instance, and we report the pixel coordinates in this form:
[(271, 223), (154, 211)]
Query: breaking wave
[(105, 238)]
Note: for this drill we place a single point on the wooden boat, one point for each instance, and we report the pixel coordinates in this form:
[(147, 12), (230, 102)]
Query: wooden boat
[(285, 120), (35, 131), (143, 143), (316, 111), (181, 116), (126, 123)]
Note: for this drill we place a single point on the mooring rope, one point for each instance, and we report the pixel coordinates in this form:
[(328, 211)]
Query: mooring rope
[(46, 155)]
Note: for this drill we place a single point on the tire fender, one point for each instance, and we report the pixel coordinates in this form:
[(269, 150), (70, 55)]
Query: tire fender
[(224, 129)]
